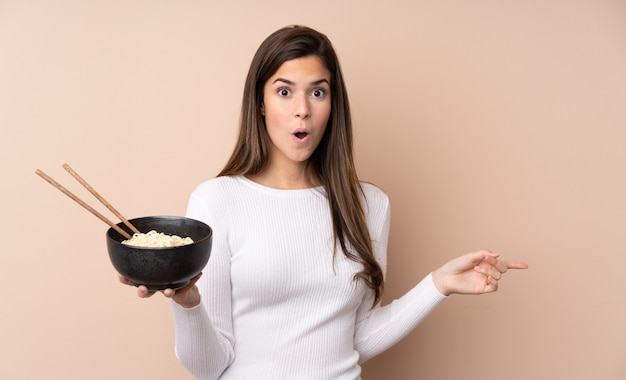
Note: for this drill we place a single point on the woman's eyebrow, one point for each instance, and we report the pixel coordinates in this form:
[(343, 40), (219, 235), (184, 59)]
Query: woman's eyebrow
[(314, 83), (287, 81), (318, 82)]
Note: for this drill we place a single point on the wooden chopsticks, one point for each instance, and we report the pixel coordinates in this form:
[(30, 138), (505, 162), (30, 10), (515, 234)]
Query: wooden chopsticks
[(85, 205)]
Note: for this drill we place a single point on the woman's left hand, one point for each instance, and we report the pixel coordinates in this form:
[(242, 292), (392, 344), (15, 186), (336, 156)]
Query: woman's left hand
[(188, 296), (473, 273)]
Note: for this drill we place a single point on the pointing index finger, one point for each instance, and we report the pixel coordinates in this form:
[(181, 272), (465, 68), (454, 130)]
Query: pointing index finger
[(515, 264)]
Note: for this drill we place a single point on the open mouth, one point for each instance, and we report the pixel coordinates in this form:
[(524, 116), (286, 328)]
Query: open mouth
[(301, 135)]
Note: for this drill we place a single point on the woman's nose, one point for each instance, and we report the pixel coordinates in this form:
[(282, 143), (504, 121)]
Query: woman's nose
[(302, 108)]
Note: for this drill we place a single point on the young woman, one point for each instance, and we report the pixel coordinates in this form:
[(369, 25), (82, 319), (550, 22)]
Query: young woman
[(293, 286)]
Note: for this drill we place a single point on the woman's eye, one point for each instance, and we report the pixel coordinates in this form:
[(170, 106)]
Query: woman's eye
[(318, 93), (283, 92)]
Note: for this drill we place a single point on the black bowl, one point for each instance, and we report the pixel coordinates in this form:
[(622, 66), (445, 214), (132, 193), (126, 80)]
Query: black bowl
[(161, 268)]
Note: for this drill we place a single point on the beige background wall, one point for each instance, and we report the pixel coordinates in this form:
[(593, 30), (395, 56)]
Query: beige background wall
[(493, 124)]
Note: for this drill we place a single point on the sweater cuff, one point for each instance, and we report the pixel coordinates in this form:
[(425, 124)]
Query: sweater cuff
[(177, 306), (428, 280), (189, 319)]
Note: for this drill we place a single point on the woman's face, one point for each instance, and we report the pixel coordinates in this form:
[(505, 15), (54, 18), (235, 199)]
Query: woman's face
[(296, 107)]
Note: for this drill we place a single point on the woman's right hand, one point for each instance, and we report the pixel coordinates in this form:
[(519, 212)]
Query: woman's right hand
[(188, 296)]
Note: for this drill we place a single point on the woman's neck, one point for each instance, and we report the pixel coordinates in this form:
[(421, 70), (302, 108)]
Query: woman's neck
[(279, 178)]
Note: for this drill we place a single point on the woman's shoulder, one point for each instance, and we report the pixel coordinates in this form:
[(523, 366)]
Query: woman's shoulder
[(221, 181), (377, 209), (374, 195), (217, 185), (372, 191)]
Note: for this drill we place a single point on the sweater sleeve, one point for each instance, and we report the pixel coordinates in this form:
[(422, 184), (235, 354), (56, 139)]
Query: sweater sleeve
[(384, 326), (381, 327), (204, 334)]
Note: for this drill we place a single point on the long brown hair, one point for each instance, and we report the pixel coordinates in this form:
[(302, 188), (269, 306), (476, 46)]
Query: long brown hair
[(332, 161)]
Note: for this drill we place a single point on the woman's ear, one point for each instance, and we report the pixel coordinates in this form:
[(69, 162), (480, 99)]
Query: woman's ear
[(262, 109)]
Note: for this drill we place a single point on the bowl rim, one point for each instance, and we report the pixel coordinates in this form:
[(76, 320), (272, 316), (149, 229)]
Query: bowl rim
[(111, 230)]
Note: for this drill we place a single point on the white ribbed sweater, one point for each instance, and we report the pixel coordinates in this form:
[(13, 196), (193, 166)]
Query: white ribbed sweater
[(274, 303)]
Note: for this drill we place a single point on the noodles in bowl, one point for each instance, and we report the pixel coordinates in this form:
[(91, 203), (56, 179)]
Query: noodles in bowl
[(157, 239), (162, 267)]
